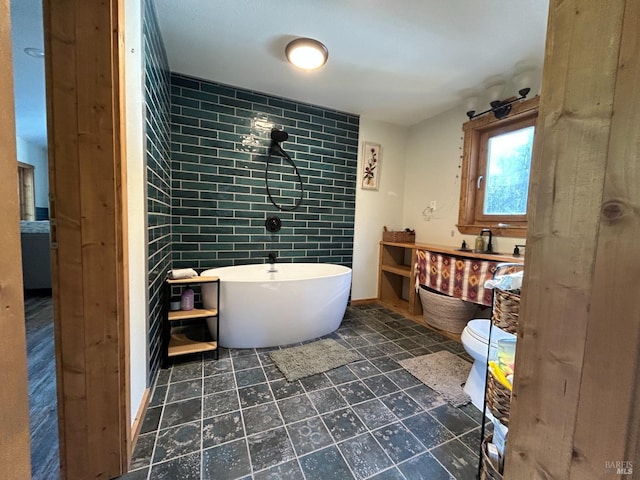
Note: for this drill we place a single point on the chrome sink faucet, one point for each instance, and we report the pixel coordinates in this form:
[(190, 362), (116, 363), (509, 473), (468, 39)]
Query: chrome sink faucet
[(490, 244)]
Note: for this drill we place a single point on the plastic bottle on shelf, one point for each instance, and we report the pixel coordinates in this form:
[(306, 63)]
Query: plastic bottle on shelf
[(186, 299)]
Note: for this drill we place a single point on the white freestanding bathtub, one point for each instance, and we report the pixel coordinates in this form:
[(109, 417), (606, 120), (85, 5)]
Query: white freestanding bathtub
[(258, 308)]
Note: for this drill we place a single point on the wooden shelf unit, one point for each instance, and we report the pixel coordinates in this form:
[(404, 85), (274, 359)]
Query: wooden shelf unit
[(195, 313), (179, 339), (397, 272), (191, 339), (396, 277), (402, 270)]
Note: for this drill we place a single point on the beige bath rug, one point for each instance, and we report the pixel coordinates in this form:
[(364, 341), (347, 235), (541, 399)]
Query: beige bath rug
[(312, 358), (444, 372)]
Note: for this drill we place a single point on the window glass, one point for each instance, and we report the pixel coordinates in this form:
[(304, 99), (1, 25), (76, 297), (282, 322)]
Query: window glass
[(496, 165), (507, 175)]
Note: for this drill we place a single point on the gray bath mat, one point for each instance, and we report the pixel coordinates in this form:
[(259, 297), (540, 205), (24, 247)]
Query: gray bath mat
[(312, 358), (444, 372)]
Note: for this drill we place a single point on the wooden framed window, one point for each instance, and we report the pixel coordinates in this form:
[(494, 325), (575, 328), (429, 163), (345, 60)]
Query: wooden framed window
[(496, 165), (26, 191)]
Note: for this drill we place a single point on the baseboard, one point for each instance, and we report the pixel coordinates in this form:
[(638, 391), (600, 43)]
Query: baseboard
[(137, 422), (364, 301)]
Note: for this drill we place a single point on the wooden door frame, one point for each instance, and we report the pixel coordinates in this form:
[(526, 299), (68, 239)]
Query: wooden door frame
[(87, 171), (88, 211), (14, 394)]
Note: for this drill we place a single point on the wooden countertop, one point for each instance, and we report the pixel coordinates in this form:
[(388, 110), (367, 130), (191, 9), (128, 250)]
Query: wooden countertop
[(498, 257)]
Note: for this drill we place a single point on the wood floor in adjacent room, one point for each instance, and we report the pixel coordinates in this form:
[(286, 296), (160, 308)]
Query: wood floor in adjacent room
[(42, 386)]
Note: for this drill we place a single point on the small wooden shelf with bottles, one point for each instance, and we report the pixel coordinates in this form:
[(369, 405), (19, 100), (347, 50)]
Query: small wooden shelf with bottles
[(193, 338)]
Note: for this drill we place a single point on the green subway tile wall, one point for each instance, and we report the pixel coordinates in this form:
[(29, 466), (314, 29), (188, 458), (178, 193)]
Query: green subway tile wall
[(219, 141), (158, 155)]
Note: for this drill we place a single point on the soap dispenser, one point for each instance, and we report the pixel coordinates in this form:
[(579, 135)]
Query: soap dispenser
[(479, 243), (186, 299)]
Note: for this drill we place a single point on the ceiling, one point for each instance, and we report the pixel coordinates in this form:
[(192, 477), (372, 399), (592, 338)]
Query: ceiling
[(26, 32), (398, 61)]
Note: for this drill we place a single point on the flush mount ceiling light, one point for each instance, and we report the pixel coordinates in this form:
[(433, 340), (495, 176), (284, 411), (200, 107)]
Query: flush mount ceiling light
[(34, 52), (306, 53)]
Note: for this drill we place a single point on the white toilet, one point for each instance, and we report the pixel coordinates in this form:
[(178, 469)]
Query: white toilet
[(475, 339)]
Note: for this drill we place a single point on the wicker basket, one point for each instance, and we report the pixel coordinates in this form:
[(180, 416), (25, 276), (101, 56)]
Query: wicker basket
[(400, 236), (446, 313), (506, 309), (498, 399), (488, 471)]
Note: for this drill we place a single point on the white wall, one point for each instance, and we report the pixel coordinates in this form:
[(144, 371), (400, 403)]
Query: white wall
[(138, 349), (420, 164), (377, 208), (37, 156), (433, 159)]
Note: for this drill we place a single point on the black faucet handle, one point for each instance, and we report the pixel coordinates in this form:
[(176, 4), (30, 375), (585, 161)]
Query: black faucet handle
[(490, 244), (516, 250)]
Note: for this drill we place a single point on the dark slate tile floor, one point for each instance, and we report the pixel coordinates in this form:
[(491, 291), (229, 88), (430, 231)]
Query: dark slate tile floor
[(238, 418)]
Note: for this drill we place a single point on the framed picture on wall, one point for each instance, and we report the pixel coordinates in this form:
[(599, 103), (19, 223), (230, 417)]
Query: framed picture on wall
[(372, 157)]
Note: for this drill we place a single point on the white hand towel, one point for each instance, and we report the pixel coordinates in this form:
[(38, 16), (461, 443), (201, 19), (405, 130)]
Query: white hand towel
[(182, 273)]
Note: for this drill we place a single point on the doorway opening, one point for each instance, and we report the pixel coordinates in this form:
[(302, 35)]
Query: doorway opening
[(27, 38)]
